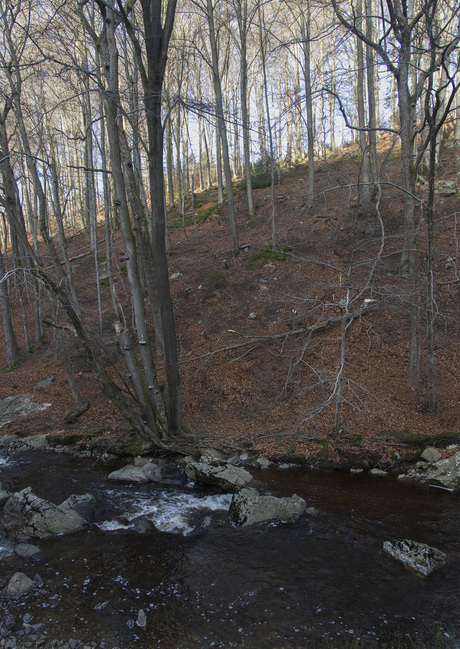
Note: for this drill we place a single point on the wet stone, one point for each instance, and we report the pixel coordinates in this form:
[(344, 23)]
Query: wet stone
[(19, 584)]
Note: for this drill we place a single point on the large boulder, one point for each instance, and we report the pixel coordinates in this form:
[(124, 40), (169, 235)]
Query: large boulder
[(447, 472), (27, 516), (226, 477), (248, 507), (85, 505), (420, 557)]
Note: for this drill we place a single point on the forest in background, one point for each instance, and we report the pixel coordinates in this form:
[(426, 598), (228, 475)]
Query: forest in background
[(115, 115)]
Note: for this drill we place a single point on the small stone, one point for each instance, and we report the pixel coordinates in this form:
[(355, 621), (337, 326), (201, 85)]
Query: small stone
[(431, 454), (38, 581), (263, 462), (244, 457), (141, 619), (9, 621), (27, 618), (356, 471), (19, 584), (252, 315), (26, 550), (46, 382), (378, 472)]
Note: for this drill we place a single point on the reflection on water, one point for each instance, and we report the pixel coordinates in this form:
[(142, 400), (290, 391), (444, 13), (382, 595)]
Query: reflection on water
[(212, 585)]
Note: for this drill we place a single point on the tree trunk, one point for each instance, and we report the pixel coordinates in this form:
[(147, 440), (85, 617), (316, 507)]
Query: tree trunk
[(222, 129)]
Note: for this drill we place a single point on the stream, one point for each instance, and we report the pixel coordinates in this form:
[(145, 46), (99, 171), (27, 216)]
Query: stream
[(204, 583)]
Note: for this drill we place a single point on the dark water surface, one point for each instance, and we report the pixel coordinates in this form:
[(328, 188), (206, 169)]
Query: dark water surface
[(323, 578)]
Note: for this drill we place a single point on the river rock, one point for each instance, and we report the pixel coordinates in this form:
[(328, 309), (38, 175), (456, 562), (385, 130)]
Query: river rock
[(169, 474), (418, 556), (131, 473), (263, 462), (431, 454), (248, 507), (6, 440), (4, 495), (26, 550), (378, 472), (446, 188), (225, 477), (212, 456), (85, 505), (18, 585), (28, 516), (447, 472)]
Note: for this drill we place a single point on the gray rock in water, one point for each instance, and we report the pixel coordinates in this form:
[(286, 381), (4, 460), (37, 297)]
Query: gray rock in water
[(169, 474), (84, 504), (418, 556), (28, 516), (248, 507), (137, 474), (431, 454), (4, 495), (263, 462), (447, 472), (18, 585), (141, 618), (26, 550), (446, 188), (225, 477), (378, 472)]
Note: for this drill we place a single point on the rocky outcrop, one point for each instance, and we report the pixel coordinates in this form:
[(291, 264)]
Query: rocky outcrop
[(27, 516), (226, 477), (34, 442), (446, 188), (420, 557), (446, 473), (13, 407), (248, 507)]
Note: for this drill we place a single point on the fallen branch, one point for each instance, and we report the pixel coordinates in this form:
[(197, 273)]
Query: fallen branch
[(72, 416), (323, 324)]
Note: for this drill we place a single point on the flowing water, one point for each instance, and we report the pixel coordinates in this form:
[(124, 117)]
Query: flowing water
[(204, 583)]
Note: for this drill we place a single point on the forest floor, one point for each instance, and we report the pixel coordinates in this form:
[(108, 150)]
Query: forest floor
[(278, 395)]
